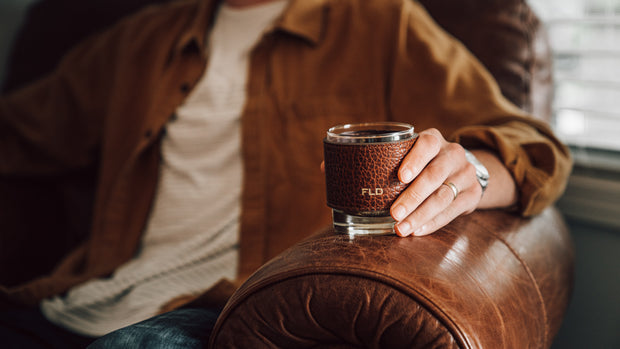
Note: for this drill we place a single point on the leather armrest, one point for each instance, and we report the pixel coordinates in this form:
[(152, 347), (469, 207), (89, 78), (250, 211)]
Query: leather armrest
[(487, 280)]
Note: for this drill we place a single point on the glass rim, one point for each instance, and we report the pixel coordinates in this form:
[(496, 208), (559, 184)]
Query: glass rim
[(391, 131)]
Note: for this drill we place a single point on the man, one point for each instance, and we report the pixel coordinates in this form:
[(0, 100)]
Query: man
[(206, 119)]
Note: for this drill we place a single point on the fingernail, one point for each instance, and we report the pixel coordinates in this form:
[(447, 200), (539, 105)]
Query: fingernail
[(420, 231), (399, 212), (404, 228), (406, 176)]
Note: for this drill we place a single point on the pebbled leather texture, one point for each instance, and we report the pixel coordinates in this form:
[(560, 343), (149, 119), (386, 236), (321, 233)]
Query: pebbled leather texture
[(361, 178)]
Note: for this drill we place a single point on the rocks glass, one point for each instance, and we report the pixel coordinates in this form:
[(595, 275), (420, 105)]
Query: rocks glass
[(361, 166)]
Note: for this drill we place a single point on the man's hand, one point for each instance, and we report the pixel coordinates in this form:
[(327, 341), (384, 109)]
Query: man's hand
[(429, 202)]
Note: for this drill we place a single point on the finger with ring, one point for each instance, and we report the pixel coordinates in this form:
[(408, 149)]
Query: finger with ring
[(453, 187)]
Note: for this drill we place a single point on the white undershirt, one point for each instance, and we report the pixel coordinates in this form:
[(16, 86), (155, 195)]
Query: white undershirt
[(191, 239)]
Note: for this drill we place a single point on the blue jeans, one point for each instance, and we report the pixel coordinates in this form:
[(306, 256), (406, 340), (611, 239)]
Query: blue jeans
[(181, 328)]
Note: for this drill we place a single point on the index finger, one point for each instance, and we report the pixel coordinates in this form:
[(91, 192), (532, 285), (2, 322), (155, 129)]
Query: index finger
[(424, 150)]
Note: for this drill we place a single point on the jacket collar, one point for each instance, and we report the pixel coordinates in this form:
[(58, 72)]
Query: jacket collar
[(196, 34), (299, 19)]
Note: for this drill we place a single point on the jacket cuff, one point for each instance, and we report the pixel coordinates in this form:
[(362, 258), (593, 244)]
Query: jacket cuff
[(539, 165)]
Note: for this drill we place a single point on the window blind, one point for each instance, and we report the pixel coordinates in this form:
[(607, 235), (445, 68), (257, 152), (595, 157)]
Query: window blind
[(585, 40)]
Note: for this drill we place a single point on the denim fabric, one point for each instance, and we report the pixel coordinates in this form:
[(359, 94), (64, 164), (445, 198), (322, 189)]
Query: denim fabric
[(181, 328)]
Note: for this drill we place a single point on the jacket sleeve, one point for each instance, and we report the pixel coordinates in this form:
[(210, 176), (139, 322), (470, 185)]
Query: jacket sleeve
[(55, 123), (437, 82)]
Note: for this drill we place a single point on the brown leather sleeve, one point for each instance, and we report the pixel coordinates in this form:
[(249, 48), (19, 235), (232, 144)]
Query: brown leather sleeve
[(488, 280), (363, 178)]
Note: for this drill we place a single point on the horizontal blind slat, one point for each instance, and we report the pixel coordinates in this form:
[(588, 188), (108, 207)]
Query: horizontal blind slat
[(585, 42)]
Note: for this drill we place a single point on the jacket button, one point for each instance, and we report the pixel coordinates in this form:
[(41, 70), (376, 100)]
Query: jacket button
[(148, 133), (185, 88)]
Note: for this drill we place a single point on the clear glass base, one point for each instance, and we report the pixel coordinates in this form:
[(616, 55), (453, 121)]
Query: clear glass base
[(362, 225)]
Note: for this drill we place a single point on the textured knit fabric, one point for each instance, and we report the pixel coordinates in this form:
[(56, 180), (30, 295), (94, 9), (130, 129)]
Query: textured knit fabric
[(191, 240), (325, 62)]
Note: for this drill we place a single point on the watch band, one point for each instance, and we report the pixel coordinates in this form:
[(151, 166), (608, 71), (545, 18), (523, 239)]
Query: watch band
[(482, 174)]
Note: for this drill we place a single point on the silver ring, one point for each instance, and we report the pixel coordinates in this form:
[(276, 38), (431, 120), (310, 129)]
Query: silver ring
[(455, 190)]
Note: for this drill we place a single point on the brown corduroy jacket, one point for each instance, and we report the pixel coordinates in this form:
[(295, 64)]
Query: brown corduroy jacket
[(325, 62)]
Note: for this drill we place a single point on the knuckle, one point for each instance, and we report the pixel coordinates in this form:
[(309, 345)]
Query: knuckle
[(437, 171), (472, 195), (469, 173), (433, 131), (469, 170), (477, 190), (412, 196), (431, 141), (457, 150)]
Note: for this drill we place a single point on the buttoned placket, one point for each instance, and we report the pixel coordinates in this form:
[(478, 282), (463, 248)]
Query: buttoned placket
[(255, 195)]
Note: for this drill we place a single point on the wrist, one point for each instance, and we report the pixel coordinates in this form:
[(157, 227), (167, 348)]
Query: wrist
[(501, 190)]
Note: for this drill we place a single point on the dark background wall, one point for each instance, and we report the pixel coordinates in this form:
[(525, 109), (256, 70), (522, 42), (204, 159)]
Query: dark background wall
[(11, 12)]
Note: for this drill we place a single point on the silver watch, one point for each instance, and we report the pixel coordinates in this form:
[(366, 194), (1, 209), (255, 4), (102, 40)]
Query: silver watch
[(481, 172)]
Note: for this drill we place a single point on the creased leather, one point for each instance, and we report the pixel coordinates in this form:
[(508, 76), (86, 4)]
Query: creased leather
[(488, 280)]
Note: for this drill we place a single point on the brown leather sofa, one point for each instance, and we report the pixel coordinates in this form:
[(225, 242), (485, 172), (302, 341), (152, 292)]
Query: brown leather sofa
[(487, 280)]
